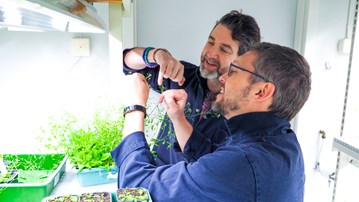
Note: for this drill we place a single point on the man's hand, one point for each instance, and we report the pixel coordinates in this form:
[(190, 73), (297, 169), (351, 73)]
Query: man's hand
[(169, 67), (136, 90), (176, 102)]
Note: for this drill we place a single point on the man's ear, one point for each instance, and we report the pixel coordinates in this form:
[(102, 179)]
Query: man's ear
[(265, 91)]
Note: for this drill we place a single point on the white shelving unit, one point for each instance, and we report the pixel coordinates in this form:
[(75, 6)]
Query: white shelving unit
[(349, 146)]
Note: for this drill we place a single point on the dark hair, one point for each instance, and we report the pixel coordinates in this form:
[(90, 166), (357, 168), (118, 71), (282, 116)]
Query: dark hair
[(290, 73), (244, 29)]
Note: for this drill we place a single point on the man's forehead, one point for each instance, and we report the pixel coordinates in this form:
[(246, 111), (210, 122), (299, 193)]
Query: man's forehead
[(223, 35)]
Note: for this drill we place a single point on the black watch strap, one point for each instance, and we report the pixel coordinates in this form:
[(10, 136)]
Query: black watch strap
[(134, 108)]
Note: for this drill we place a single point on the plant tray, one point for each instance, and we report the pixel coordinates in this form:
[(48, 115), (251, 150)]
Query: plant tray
[(84, 197), (38, 175), (129, 195), (110, 197), (95, 176), (11, 176)]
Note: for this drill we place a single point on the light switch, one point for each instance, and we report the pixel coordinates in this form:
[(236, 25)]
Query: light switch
[(80, 47)]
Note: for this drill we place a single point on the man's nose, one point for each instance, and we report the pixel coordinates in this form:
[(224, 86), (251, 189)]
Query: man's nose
[(212, 52), (223, 77)]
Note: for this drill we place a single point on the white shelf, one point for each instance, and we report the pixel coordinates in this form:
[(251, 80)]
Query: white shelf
[(349, 146)]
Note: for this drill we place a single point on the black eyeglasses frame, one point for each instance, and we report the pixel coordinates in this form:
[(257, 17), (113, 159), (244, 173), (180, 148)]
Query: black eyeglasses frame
[(241, 68)]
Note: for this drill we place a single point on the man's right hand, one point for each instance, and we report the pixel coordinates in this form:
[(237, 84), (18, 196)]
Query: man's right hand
[(169, 67), (137, 90), (176, 102)]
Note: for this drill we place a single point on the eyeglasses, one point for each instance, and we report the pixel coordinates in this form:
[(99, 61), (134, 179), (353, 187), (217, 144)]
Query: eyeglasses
[(230, 71)]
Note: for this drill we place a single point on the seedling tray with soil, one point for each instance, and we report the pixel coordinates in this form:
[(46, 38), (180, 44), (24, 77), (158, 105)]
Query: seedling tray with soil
[(84, 197), (137, 194)]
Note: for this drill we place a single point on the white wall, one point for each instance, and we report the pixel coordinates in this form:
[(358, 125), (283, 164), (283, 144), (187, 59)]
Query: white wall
[(39, 77), (183, 26), (327, 21)]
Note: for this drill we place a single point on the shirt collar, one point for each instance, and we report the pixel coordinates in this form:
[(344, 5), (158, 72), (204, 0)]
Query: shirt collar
[(254, 122)]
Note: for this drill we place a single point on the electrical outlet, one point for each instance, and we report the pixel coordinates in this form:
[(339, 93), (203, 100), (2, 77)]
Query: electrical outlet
[(80, 47), (344, 45)]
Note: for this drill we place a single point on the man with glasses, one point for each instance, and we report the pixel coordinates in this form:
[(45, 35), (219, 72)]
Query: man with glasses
[(230, 71), (260, 161), (231, 36)]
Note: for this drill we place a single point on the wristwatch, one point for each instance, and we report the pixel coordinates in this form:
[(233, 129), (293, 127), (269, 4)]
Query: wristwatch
[(134, 108)]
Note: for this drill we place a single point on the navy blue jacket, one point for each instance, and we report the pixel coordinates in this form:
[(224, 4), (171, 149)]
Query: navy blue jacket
[(261, 161), (208, 131)]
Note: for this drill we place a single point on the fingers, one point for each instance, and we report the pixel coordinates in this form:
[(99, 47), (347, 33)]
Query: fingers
[(171, 69), (160, 75), (137, 89), (136, 77), (182, 81), (175, 101), (179, 77), (179, 96)]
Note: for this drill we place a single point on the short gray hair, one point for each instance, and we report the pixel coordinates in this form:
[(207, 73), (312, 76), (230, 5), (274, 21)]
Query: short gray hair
[(290, 73)]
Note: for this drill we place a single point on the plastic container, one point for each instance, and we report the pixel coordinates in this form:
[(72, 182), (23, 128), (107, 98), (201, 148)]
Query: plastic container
[(95, 176), (12, 177), (129, 191), (89, 196), (38, 176)]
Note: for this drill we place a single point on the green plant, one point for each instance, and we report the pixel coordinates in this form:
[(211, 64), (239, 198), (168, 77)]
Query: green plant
[(65, 198), (96, 197), (86, 141), (3, 170), (31, 170), (132, 194), (5, 178), (84, 197)]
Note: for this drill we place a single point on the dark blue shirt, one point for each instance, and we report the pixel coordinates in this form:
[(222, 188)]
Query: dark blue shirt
[(260, 161), (208, 131)]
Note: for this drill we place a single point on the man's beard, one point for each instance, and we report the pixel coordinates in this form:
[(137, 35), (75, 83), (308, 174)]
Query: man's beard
[(207, 74), (225, 106)]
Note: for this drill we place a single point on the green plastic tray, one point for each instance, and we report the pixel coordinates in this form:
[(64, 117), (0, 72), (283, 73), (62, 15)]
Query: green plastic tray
[(38, 176)]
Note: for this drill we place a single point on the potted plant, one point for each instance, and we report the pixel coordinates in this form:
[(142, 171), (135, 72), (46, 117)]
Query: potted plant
[(84, 197), (87, 141), (96, 197), (64, 198), (136, 194)]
